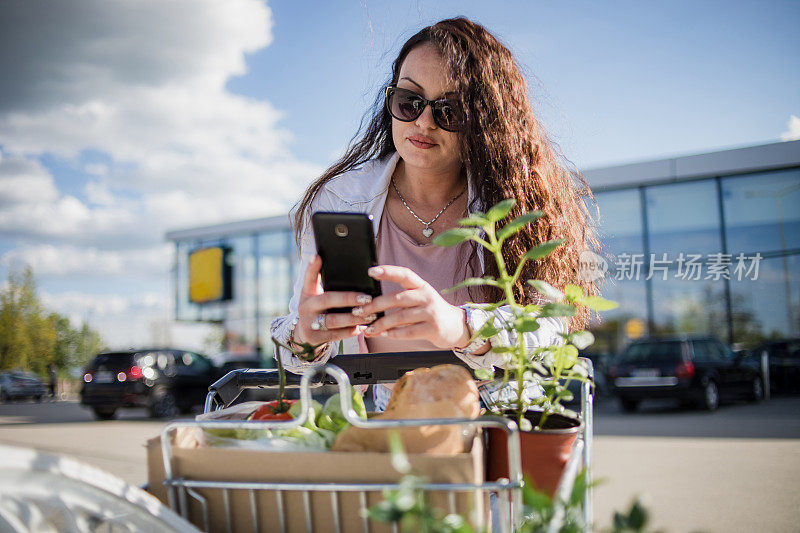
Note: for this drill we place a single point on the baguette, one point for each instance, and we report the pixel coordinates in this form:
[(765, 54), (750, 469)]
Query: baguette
[(444, 391)]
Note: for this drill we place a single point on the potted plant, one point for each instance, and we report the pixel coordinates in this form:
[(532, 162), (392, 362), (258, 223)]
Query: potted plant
[(547, 429)]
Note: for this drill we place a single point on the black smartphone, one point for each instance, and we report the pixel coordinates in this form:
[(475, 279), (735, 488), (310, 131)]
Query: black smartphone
[(346, 244)]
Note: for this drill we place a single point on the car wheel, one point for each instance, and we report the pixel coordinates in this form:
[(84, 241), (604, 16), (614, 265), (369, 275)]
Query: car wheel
[(757, 390), (38, 399), (104, 413), (710, 400), (163, 403), (628, 405), (3, 397)]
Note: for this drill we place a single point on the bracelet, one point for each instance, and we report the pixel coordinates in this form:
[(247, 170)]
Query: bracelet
[(324, 352), (477, 343)]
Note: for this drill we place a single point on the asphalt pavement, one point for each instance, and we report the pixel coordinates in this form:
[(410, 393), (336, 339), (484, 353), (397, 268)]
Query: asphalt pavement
[(728, 471), (732, 470)]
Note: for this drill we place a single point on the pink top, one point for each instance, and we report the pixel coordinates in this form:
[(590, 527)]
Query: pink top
[(439, 266)]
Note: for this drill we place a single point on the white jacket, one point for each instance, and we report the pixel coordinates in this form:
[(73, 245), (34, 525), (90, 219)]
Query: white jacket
[(364, 190)]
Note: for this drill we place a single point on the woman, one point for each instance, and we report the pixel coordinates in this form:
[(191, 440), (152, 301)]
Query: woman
[(453, 132)]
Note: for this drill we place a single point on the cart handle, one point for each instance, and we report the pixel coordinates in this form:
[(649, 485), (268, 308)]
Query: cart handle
[(361, 369), (226, 389)]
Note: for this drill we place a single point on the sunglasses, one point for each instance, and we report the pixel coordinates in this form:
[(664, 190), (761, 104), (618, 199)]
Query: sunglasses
[(406, 106)]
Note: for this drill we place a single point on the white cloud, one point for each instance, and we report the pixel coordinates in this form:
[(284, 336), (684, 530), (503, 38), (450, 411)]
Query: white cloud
[(99, 193), (85, 48), (792, 132), (67, 260), (143, 84), (129, 321), (80, 305), (24, 181), (31, 206), (98, 169), (123, 321)]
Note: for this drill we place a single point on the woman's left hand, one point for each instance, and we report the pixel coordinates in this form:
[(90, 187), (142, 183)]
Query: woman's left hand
[(421, 312)]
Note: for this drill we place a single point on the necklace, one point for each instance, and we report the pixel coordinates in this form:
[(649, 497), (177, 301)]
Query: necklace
[(428, 230)]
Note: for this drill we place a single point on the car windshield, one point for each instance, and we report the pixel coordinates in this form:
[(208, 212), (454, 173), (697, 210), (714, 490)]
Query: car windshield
[(113, 361), (653, 352)]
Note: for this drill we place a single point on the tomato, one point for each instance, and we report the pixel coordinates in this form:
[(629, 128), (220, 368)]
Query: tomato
[(267, 411)]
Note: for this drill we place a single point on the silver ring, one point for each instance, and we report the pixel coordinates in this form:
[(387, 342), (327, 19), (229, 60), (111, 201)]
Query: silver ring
[(319, 323)]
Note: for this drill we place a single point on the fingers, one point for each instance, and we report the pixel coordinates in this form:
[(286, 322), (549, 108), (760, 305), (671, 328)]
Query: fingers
[(410, 298), (314, 301), (346, 320), (403, 276), (321, 303), (410, 332), (398, 320), (311, 279), (329, 335)]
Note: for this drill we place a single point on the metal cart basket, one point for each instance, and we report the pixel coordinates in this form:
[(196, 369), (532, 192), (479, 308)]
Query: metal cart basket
[(505, 494)]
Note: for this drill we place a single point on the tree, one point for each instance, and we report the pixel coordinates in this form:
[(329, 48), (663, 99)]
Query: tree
[(89, 343), (31, 338), (16, 348)]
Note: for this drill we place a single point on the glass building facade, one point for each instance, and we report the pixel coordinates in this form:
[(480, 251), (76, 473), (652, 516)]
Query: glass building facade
[(263, 261), (707, 243), (704, 244)]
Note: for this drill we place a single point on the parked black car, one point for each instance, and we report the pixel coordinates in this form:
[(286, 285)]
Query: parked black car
[(698, 371), (784, 364), (166, 381), (20, 385)]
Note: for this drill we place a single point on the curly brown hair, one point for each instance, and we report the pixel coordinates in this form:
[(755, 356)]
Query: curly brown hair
[(505, 151)]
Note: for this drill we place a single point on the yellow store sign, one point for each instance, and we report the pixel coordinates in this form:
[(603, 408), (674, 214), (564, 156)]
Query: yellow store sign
[(209, 275)]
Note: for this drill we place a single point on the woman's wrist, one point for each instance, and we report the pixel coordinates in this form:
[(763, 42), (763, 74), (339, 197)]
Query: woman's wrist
[(467, 345), (294, 339), (466, 334)]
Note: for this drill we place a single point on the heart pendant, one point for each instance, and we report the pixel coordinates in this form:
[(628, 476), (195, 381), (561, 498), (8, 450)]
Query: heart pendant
[(427, 232)]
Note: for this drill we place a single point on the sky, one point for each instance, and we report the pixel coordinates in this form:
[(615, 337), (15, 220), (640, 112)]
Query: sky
[(122, 120)]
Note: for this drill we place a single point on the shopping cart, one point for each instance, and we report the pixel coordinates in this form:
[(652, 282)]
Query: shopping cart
[(505, 494)]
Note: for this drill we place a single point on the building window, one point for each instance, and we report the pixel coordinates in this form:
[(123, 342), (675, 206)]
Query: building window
[(619, 229), (762, 212), (681, 306), (243, 257), (275, 283), (769, 306), (683, 217), (684, 238)]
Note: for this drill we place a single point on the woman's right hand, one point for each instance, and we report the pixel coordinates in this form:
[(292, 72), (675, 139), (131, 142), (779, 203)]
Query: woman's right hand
[(315, 302)]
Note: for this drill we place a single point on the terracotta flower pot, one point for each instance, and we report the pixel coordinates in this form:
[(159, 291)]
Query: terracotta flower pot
[(544, 453)]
